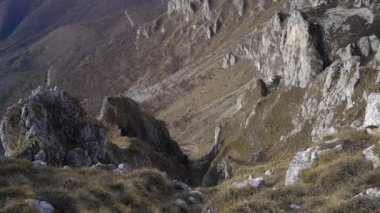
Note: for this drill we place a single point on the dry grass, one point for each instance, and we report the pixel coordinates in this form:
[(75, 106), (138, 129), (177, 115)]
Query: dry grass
[(84, 190), (328, 186)]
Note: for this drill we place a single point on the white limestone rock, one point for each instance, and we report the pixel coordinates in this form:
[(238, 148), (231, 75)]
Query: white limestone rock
[(207, 12), (301, 58), (295, 206), (38, 127), (123, 168), (229, 61), (284, 47), (184, 7), (372, 114), (41, 206), (269, 172), (373, 192), (307, 4), (370, 155), (370, 193), (240, 5), (303, 161), (339, 87), (255, 182)]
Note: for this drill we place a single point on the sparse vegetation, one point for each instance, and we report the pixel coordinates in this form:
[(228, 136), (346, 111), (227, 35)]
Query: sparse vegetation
[(84, 190), (274, 83)]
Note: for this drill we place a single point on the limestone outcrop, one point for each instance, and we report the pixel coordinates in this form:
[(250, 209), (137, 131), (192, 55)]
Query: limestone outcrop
[(372, 114), (51, 126), (184, 7), (304, 159)]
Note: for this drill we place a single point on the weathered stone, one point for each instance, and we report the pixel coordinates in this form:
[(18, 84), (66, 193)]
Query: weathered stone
[(50, 120), (370, 193), (303, 160), (123, 168), (207, 12), (41, 206), (269, 172), (295, 206), (184, 7), (370, 155), (372, 114), (339, 87), (38, 164), (229, 61), (255, 182), (182, 204), (301, 58), (181, 186), (240, 5)]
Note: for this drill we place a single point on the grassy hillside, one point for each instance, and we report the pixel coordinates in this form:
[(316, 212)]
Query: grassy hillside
[(85, 190)]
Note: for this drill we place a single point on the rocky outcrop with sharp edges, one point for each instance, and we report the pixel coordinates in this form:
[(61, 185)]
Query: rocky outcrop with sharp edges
[(132, 121), (51, 126)]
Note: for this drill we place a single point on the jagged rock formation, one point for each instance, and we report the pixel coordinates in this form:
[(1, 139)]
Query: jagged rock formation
[(51, 126), (131, 121), (185, 7), (240, 5)]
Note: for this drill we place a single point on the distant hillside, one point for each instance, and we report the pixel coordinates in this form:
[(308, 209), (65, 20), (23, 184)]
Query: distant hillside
[(40, 35)]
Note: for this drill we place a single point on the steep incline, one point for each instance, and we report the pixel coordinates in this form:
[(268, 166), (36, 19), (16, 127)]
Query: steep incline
[(56, 36)]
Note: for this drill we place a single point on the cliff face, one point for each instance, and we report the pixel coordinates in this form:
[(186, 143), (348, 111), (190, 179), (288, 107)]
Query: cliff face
[(51, 126)]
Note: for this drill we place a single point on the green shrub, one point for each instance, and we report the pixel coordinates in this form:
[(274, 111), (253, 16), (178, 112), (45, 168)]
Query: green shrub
[(274, 83)]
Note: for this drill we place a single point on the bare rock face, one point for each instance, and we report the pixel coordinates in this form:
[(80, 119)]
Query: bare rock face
[(240, 5), (301, 58), (372, 115), (335, 91), (304, 159), (207, 12), (49, 125), (284, 47), (184, 7), (132, 121), (367, 48)]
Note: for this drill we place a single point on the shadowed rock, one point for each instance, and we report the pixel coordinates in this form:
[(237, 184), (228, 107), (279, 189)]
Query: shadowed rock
[(133, 122)]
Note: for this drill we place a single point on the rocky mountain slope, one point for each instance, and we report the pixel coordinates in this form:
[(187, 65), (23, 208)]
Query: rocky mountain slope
[(43, 39), (276, 104)]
